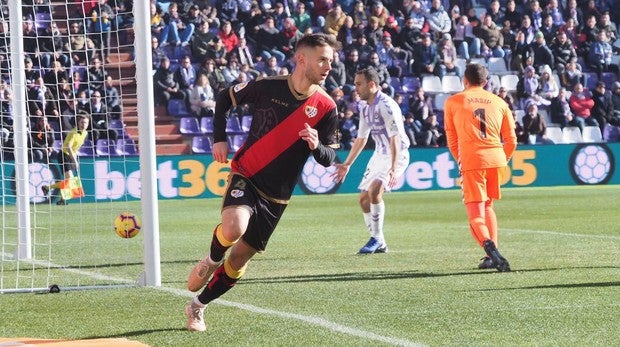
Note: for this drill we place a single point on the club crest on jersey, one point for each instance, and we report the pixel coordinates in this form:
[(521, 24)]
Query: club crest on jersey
[(311, 111), (239, 86), (236, 193)]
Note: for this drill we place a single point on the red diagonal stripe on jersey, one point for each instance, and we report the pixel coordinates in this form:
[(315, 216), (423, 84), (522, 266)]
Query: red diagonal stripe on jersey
[(279, 139)]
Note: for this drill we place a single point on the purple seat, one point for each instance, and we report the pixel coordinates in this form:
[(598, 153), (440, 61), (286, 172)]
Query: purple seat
[(206, 125), (105, 147), (190, 126), (201, 144), (126, 146), (410, 84), (233, 126), (87, 149), (177, 108), (246, 122)]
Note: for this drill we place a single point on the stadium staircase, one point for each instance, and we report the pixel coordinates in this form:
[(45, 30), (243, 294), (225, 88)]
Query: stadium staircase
[(122, 68)]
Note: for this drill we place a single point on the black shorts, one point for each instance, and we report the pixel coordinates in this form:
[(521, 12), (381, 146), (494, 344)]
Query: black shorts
[(265, 213), (67, 162)]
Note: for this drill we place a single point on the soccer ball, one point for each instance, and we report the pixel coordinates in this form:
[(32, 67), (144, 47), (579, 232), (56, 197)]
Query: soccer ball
[(592, 164), (127, 225), (316, 179)]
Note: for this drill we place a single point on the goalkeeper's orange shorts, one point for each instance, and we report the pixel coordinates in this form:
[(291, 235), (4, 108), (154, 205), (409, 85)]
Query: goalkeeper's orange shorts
[(482, 185)]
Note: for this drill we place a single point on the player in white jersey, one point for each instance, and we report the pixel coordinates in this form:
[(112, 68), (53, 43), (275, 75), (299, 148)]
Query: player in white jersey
[(380, 117)]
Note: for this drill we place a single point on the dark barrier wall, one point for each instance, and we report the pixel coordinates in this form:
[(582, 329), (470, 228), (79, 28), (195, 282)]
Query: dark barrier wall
[(198, 176)]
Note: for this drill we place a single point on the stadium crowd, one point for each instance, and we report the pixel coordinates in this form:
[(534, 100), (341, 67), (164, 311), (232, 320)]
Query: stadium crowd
[(554, 61)]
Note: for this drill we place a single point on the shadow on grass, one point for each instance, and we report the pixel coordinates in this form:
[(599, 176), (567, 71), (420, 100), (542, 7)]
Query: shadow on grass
[(558, 286), (134, 333)]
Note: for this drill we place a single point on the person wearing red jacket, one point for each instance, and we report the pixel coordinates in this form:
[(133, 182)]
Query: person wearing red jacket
[(581, 103)]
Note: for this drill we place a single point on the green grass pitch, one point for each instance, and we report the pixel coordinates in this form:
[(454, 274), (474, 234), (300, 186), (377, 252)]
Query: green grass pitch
[(311, 289)]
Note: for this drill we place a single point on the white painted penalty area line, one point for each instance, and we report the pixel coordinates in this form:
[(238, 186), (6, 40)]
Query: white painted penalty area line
[(557, 233), (335, 327)]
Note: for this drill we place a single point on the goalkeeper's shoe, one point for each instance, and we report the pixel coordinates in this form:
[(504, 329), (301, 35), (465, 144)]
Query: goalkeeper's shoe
[(201, 273), (500, 263), (373, 246), (486, 263), (46, 190), (195, 316)]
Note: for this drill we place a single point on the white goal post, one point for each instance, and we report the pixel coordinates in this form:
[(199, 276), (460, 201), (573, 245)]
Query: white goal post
[(44, 245)]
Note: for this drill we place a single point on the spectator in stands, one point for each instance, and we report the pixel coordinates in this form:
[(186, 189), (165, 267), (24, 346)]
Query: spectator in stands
[(382, 72), (534, 126), (503, 93), (520, 53), (289, 35), (571, 76), (267, 41), (446, 62), (581, 104), (348, 33), (65, 97), (175, 30), (228, 36), (615, 99), (348, 129), (392, 56), (301, 17), (605, 24), (541, 52), (466, 43), (31, 74), (603, 109), (354, 103), (438, 20), (599, 56), (157, 21), (100, 31), (82, 48), (243, 53), (214, 74), (535, 13), (378, 10), (227, 10), (279, 14), (202, 42), (589, 35), (217, 52), (409, 35), (491, 38), (549, 88), (210, 16), (232, 71), (426, 56), (194, 17), (363, 49), (553, 10), (334, 20), (351, 65), (527, 29), (112, 99), (77, 85), (201, 99), (100, 120), (185, 76), (165, 85), (560, 111), (42, 142), (360, 15), (495, 12), (337, 77), (157, 52), (53, 77), (509, 36), (373, 32), (548, 29), (96, 75), (512, 15), (82, 102), (528, 87), (419, 124), (31, 48), (53, 46), (41, 102), (6, 120), (574, 13), (563, 52), (591, 10)]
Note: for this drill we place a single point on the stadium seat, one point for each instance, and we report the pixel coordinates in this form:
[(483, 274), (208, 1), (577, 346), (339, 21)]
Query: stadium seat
[(246, 122), (461, 63), (206, 125), (57, 145), (555, 134), (189, 126), (236, 141), (177, 108), (571, 135), (497, 66), (494, 82), (451, 84), (201, 144), (480, 61), (42, 21), (592, 134), (410, 84), (432, 84), (87, 149), (609, 78), (509, 82), (105, 147), (118, 126), (233, 125), (590, 80), (126, 146), (395, 83), (439, 101), (611, 133)]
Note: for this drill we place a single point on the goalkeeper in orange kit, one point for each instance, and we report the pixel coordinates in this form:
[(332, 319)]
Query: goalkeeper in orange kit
[(481, 137)]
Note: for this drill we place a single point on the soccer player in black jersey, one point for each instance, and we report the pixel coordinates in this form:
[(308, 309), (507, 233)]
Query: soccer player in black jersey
[(293, 118)]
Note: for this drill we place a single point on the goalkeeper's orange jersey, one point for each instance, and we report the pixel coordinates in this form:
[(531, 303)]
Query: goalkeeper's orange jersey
[(476, 123)]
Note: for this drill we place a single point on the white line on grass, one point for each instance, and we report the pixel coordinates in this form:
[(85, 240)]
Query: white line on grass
[(547, 232), (308, 319), (335, 327)]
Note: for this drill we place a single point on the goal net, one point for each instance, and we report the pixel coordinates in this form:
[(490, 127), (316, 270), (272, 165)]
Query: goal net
[(78, 57)]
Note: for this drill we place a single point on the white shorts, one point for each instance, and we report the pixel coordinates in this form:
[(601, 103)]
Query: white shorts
[(378, 167)]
